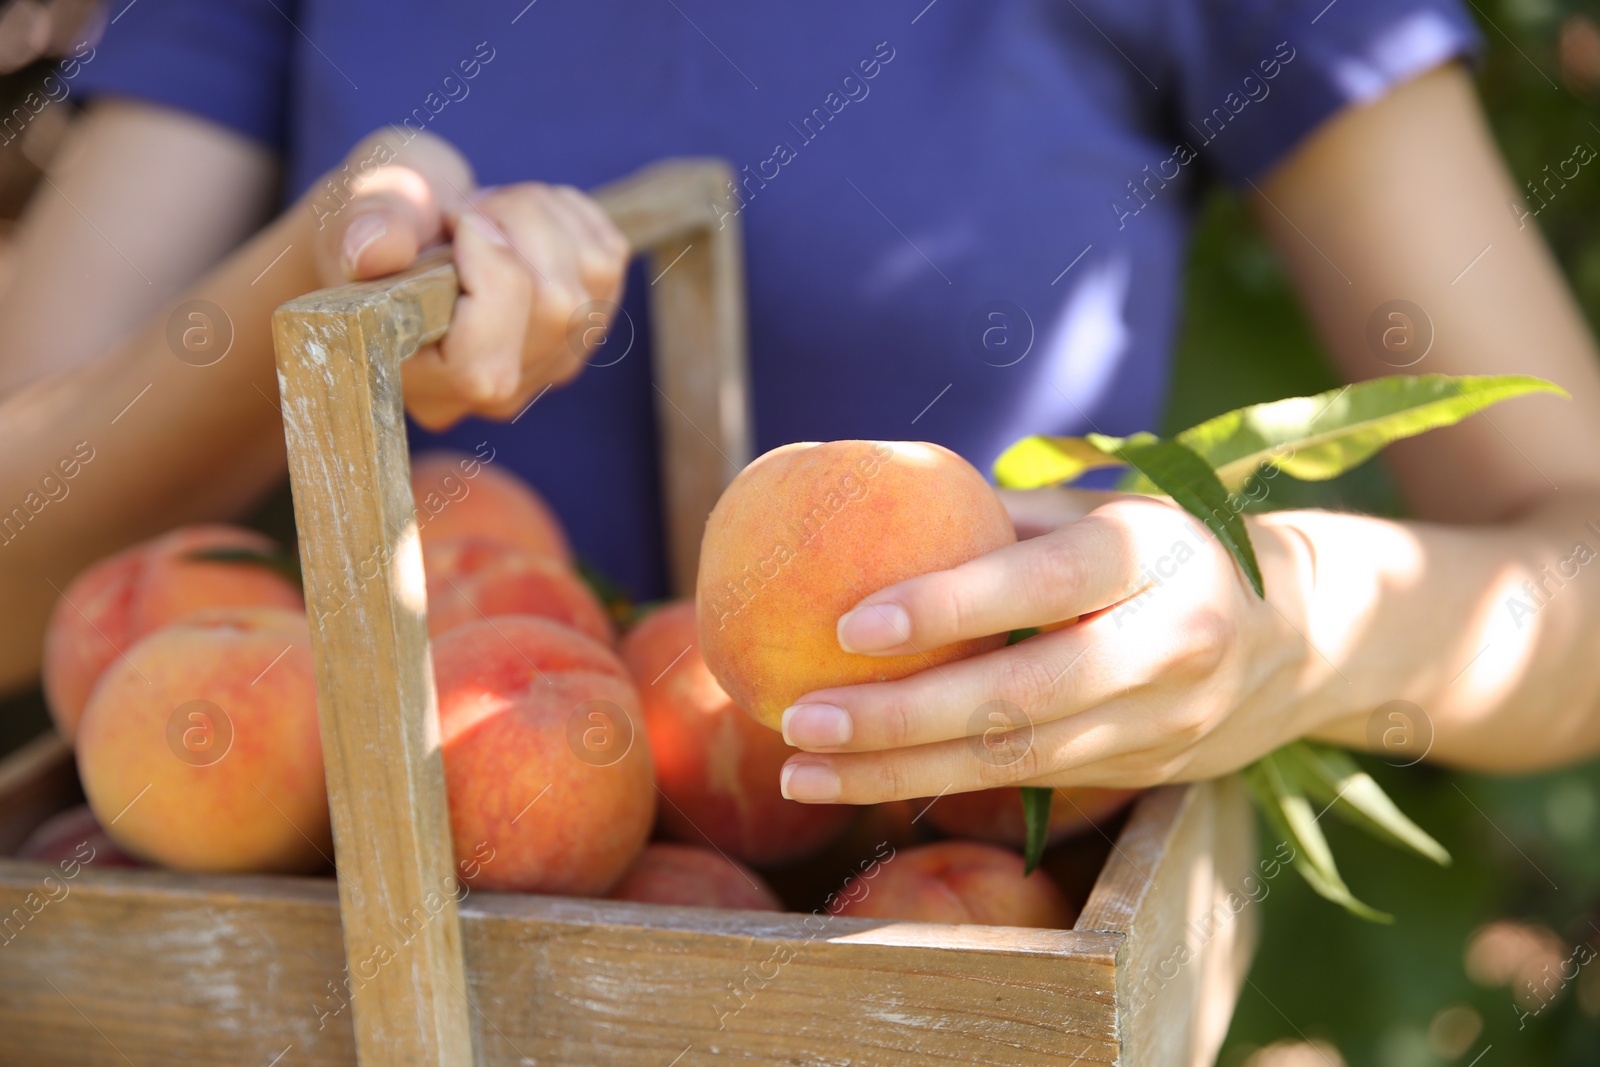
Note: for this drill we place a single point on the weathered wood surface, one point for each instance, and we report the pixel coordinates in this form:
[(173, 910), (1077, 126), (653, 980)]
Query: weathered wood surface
[(344, 424), (1183, 886), (176, 968), (166, 968)]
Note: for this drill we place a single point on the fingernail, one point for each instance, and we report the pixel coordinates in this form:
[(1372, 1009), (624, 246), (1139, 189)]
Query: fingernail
[(363, 230), (874, 627), (809, 782), (484, 228), (816, 726)]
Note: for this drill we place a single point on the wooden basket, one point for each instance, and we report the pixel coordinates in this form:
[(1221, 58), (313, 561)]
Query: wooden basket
[(152, 967)]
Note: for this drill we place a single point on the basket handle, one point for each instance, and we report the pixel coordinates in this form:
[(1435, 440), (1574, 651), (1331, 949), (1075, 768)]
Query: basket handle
[(339, 354)]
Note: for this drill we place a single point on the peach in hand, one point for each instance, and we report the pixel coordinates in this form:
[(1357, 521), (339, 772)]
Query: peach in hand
[(957, 882), (106, 609), (716, 767), (667, 873), (199, 749), (806, 532), (546, 763)]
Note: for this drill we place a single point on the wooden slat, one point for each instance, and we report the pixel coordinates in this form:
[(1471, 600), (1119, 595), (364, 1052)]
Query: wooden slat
[(339, 381), (1178, 886), (339, 355), (146, 967), (164, 968), (36, 781), (163, 962)]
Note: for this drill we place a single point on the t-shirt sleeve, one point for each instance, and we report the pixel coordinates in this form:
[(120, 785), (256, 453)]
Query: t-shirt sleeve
[(1256, 76), (223, 60)]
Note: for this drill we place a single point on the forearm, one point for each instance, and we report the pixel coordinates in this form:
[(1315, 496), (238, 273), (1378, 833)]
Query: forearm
[(150, 440), (1487, 629)]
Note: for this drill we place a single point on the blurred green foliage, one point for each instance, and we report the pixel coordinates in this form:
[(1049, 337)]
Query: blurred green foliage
[(1525, 847)]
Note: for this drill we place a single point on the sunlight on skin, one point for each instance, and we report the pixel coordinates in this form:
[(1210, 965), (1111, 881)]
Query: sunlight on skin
[(1508, 651), (1349, 592), (1508, 619)]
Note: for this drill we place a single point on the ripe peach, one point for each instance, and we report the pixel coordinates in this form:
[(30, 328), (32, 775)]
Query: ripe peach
[(470, 578), (958, 882), (546, 762), (996, 814), (106, 609), (716, 767), (199, 749), (686, 874), (807, 531), (458, 495), (74, 834)]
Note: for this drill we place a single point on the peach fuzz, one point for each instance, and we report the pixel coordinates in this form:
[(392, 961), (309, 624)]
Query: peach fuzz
[(199, 749), (107, 608), (471, 578), (546, 762), (958, 882), (685, 874), (716, 767), (458, 495), (806, 532), (996, 814)]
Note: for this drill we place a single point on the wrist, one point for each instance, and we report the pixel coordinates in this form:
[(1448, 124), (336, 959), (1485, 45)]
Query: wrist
[(1309, 635)]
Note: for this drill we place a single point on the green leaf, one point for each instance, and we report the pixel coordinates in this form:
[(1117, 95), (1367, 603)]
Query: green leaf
[(1336, 780), (1289, 812), (1193, 486), (275, 560), (1036, 816), (1319, 437), (1038, 461)]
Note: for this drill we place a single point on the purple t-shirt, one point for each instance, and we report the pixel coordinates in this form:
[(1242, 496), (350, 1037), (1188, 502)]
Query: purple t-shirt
[(965, 220)]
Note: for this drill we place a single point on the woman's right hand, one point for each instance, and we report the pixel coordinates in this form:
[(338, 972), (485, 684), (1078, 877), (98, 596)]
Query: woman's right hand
[(536, 262)]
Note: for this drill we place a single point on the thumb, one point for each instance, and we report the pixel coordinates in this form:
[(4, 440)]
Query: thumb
[(395, 211)]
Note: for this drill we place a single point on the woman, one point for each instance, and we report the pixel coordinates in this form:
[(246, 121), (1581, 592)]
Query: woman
[(905, 177)]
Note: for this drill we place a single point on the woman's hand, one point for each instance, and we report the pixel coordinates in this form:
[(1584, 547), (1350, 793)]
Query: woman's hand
[(537, 264), (1175, 671)]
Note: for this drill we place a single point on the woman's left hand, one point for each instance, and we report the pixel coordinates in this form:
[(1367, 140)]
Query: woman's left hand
[(1176, 669)]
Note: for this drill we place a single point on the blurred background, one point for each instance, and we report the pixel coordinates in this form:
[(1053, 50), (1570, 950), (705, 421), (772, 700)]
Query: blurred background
[(1484, 965)]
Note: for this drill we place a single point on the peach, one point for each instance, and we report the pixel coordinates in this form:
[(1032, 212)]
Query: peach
[(957, 882), (458, 495), (686, 874), (807, 531), (716, 767), (199, 748), (107, 608), (996, 814), (878, 831), (546, 762), (471, 578), (74, 834)]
